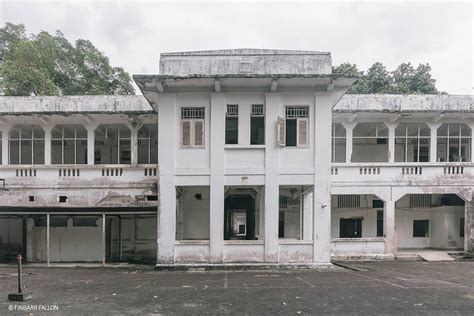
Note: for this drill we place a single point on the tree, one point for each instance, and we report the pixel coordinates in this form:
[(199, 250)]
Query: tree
[(45, 64), (405, 79)]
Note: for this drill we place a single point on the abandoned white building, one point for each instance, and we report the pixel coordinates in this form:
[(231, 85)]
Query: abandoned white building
[(243, 156)]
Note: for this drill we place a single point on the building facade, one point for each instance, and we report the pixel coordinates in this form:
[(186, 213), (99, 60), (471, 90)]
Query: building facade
[(236, 156)]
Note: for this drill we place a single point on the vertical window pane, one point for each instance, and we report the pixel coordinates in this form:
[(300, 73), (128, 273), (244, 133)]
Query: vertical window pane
[(290, 132), (56, 151), (257, 130), (26, 152), (231, 130), (38, 148), (14, 149), (81, 151)]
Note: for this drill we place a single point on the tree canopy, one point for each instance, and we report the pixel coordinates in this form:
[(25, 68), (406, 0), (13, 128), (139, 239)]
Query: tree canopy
[(405, 79), (45, 64)]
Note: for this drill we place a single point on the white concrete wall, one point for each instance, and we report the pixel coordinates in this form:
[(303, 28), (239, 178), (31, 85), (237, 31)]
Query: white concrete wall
[(11, 232), (369, 222)]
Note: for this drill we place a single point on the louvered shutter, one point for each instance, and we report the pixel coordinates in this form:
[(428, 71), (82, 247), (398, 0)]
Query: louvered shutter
[(281, 131), (198, 133), (302, 132), (185, 133)]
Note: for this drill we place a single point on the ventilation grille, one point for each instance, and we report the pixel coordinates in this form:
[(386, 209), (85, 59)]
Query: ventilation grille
[(348, 201), (420, 200)]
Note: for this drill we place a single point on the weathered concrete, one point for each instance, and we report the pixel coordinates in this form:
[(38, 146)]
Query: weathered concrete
[(245, 61)]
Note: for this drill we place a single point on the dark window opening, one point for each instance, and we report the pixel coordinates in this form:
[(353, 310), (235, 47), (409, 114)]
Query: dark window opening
[(231, 130), (451, 200), (281, 223), (377, 203), (257, 130), (31, 198), (350, 228), (53, 222), (84, 221), (239, 217), (62, 199), (421, 228), (291, 132), (379, 223), (152, 197), (461, 227)]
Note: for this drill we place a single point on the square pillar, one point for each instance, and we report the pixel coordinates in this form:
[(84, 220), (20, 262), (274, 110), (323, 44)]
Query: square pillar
[(468, 227), (168, 143), (5, 136), (47, 144), (134, 145), (217, 115), (349, 133), (391, 141), (322, 177), (389, 226), (90, 143), (272, 164), (434, 141)]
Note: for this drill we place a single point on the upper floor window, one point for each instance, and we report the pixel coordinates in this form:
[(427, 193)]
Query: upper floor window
[(26, 145), (454, 142), (112, 144), (257, 125), (232, 124), (293, 131), (412, 143), (370, 143), (192, 127), (338, 138), (148, 144), (69, 144)]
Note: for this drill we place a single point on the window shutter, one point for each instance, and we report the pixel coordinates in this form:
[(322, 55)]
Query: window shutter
[(185, 133), (281, 132), (198, 133), (302, 132)]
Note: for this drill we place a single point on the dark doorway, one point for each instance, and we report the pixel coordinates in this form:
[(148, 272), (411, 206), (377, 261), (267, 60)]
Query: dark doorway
[(239, 217)]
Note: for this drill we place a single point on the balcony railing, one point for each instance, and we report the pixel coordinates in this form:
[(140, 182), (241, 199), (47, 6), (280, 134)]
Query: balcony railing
[(402, 172)]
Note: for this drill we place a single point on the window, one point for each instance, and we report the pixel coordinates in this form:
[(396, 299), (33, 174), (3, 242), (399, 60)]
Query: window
[(350, 228), (461, 227), (54, 221), (379, 223), (370, 143), (69, 144), (84, 221), (454, 143), (112, 144), (26, 145), (412, 143), (338, 137), (148, 144), (192, 127), (421, 228), (257, 125), (232, 124), (293, 130)]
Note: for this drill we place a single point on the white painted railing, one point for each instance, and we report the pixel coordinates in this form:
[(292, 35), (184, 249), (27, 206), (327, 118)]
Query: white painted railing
[(57, 175), (389, 172)]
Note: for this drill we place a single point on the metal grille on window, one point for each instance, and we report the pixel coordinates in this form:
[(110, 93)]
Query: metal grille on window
[(194, 112), (232, 110), (296, 111), (283, 202), (257, 110)]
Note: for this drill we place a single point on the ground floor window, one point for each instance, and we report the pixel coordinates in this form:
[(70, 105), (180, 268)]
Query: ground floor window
[(192, 213), (350, 228), (421, 228), (295, 208)]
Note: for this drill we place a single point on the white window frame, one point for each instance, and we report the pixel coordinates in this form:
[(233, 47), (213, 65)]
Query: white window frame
[(299, 118), (192, 125)]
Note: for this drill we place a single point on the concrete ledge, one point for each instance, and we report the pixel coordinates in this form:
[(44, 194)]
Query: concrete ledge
[(368, 257), (245, 266)]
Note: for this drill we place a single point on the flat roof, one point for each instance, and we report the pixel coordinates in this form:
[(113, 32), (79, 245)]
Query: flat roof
[(245, 51), (74, 104)]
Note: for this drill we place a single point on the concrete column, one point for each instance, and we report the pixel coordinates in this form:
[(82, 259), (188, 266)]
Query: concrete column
[(134, 145), (272, 164), (308, 216), (349, 133), (217, 115), (47, 144), (168, 144), (103, 240), (48, 233), (322, 177), (434, 140), (391, 141), (5, 136), (30, 224), (389, 226), (468, 227), (90, 143)]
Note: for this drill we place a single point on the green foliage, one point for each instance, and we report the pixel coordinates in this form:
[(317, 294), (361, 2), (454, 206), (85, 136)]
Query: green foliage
[(405, 79), (45, 64)]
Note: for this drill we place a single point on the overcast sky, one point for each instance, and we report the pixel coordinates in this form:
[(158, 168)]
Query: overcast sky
[(133, 34)]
